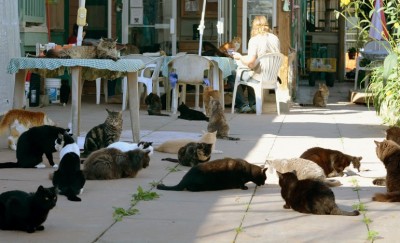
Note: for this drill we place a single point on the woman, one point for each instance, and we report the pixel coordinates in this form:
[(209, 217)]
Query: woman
[(261, 42)]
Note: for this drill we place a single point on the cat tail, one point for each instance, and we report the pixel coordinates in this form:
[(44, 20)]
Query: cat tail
[(9, 165), (332, 183), (229, 138), (387, 197), (178, 187), (301, 104), (171, 160), (338, 211)]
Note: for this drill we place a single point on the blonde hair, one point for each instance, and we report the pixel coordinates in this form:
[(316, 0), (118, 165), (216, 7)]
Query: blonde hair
[(259, 26)]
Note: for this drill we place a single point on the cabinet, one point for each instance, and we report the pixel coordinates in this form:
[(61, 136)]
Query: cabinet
[(193, 8)]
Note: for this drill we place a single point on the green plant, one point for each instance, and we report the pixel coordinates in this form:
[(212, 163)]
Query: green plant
[(119, 213), (144, 195), (173, 169)]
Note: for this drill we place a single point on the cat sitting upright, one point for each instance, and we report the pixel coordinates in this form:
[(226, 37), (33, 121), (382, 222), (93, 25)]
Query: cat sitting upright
[(217, 121), (189, 114), (393, 133), (154, 105), (221, 174), (320, 96), (24, 211), (309, 196), (18, 121), (388, 152), (332, 161), (208, 94)]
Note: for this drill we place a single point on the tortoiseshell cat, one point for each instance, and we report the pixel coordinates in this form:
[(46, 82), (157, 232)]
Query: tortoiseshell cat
[(106, 49), (193, 153), (320, 96), (112, 163), (218, 121), (154, 105), (309, 196), (104, 134), (332, 161), (389, 153), (24, 211), (221, 174)]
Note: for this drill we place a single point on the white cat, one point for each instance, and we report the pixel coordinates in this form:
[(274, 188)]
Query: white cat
[(305, 169), (126, 146)]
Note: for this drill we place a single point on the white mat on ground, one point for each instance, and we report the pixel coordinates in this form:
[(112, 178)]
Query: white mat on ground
[(157, 137)]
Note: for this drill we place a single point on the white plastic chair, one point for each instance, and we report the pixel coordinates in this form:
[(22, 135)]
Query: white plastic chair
[(190, 69), (270, 64), (374, 48)]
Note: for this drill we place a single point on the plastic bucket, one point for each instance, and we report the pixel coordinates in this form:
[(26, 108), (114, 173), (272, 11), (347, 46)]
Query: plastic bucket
[(52, 86)]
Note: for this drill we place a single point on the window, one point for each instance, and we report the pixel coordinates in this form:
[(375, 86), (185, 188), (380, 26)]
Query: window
[(250, 10)]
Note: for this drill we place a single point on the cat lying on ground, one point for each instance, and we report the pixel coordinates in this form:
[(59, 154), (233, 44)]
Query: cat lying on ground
[(18, 121), (192, 154), (189, 114), (221, 174), (125, 146)]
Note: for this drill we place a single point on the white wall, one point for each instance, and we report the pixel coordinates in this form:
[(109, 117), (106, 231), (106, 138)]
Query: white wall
[(9, 47)]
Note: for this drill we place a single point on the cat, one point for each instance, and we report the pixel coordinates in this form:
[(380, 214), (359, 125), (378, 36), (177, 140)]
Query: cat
[(320, 96), (18, 121), (104, 134), (219, 174), (309, 196), (65, 91), (306, 169), (32, 144), (209, 93), (192, 154), (388, 152), (218, 121), (234, 44), (69, 178), (189, 114), (393, 133), (332, 161), (173, 146), (125, 146), (24, 211), (111, 163), (154, 105), (106, 49)]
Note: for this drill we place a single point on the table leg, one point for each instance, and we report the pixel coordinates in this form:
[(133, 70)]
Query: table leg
[(76, 92), (19, 89), (133, 99)]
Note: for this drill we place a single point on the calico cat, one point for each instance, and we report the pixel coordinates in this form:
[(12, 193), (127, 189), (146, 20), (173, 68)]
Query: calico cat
[(305, 169), (69, 179), (192, 154), (26, 211), (218, 121), (221, 174), (65, 91), (320, 96), (309, 196), (154, 105), (173, 146), (393, 133), (332, 161), (389, 153), (189, 114), (106, 49), (209, 93), (18, 121), (111, 163), (32, 144), (104, 134), (125, 146)]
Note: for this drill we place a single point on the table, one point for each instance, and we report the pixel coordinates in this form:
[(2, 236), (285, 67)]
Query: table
[(81, 70)]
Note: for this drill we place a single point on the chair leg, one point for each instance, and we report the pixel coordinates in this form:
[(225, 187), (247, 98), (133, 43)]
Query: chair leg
[(105, 88), (234, 98), (277, 99), (124, 93), (183, 94), (175, 91), (98, 90), (259, 101), (197, 97)]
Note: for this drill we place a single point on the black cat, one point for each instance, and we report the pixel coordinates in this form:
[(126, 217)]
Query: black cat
[(65, 91), (32, 144), (219, 174), (189, 114), (154, 105), (26, 211)]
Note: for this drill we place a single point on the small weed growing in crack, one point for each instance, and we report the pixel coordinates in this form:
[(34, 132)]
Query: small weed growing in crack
[(239, 229), (119, 213), (154, 183), (173, 169), (144, 195)]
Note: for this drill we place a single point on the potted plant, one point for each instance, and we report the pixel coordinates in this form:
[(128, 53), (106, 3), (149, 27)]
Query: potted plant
[(352, 52)]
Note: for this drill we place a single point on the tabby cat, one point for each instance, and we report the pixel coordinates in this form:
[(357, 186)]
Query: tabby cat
[(332, 161), (154, 105), (393, 133), (209, 93), (32, 144), (26, 211), (193, 153), (221, 174), (309, 196), (18, 121), (389, 153), (104, 134), (189, 114), (305, 169), (320, 96), (106, 49), (111, 163), (218, 121)]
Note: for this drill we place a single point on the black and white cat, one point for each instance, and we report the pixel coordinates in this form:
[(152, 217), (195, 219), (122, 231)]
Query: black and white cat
[(32, 144), (69, 178), (126, 146)]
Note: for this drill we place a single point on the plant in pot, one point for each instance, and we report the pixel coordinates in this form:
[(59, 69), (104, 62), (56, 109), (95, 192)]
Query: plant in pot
[(352, 52)]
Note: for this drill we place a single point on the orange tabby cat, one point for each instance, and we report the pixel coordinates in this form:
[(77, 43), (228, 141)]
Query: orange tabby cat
[(18, 121), (209, 92)]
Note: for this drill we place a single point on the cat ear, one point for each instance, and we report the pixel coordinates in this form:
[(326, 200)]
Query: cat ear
[(264, 170), (294, 172), (279, 175), (376, 142), (40, 188)]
